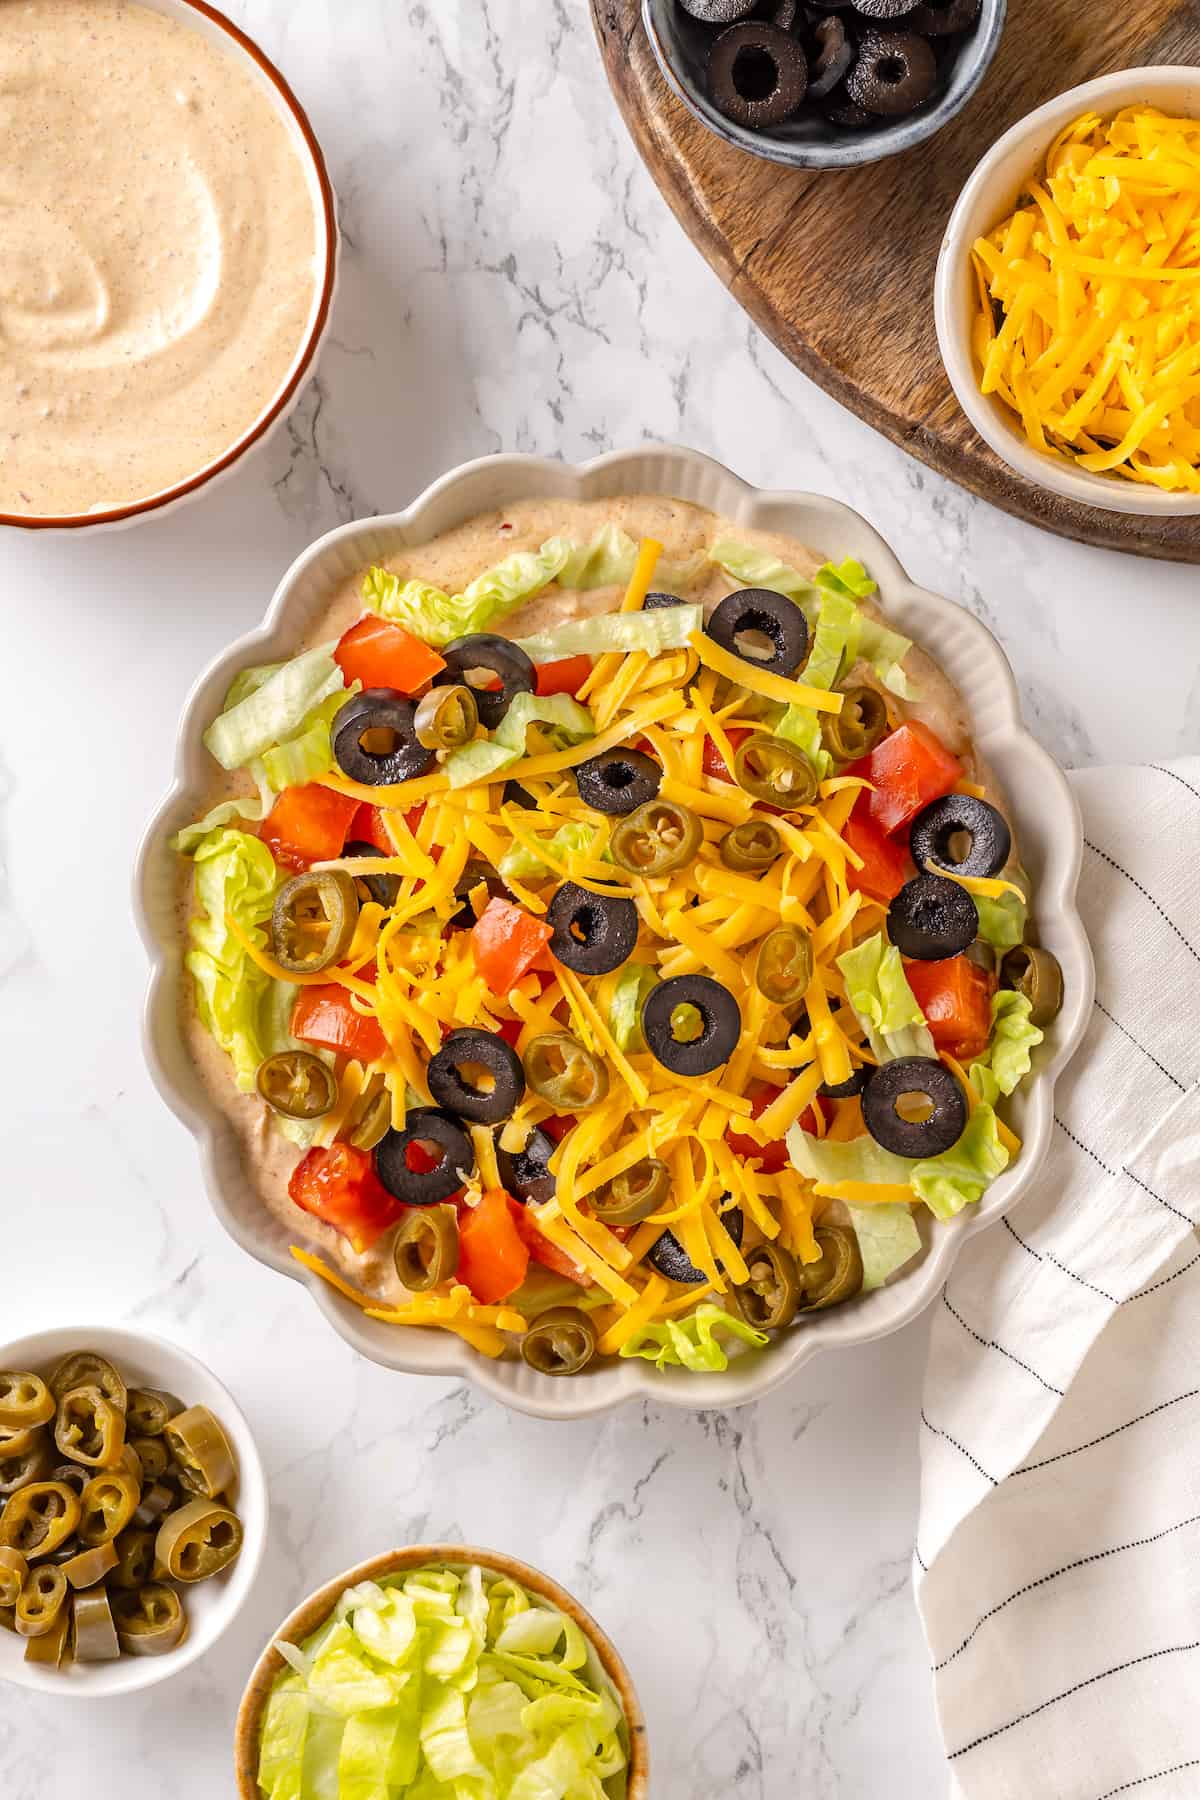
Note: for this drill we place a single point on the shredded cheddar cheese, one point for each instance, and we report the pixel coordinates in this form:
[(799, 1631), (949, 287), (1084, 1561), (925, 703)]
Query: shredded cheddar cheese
[(1086, 327)]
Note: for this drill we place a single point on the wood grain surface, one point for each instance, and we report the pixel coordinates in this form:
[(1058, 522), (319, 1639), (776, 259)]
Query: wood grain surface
[(837, 266)]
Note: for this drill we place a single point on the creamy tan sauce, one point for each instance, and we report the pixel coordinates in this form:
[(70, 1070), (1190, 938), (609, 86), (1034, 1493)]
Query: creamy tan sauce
[(158, 254), (450, 562)]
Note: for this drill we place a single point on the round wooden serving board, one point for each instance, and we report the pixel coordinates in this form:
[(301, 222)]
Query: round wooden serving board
[(837, 266)]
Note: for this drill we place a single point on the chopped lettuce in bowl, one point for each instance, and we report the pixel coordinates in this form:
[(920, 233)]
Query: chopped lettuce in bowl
[(441, 1673)]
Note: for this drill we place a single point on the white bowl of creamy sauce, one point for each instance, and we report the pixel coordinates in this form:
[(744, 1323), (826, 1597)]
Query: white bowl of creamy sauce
[(169, 254)]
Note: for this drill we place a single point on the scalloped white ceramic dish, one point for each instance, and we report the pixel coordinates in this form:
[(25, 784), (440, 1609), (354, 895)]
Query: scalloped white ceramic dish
[(1047, 821)]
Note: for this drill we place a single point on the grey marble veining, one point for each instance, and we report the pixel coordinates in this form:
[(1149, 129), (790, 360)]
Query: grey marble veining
[(511, 280)]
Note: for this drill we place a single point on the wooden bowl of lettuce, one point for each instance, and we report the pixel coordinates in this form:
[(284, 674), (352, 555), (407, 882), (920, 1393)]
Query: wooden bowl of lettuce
[(433, 1664)]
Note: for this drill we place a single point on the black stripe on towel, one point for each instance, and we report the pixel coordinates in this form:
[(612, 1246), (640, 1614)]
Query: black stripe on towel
[(991, 1344), (1115, 1174), (938, 1432), (1165, 1282), (1096, 851), (1159, 770), (1117, 1669), (1175, 1768), (1047, 1256), (1138, 1045), (1028, 1468), (1079, 1563)]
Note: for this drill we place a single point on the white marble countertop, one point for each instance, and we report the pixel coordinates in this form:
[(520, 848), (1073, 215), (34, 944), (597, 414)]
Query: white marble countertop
[(511, 280)]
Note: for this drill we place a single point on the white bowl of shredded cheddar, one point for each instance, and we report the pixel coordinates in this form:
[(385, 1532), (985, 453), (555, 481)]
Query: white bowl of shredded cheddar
[(704, 530), (1065, 294)]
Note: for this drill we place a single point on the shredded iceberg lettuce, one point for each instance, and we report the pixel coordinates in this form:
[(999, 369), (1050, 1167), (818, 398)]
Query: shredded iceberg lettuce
[(564, 719), (887, 1239), (308, 754), (877, 988), (758, 568), (946, 1183), (629, 992), (268, 705), (691, 1342), (235, 877), (1008, 1058), (666, 628), (442, 1684), (1002, 920), (574, 838), (847, 578)]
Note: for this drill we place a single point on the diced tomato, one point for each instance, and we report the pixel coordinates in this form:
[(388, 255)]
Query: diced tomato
[(541, 1250), (714, 763), (885, 865), (770, 1157), (908, 768), (557, 1126), (510, 1030), (492, 1259), (324, 1016), (340, 1186), (505, 940), (566, 676), (367, 827), (307, 824), (383, 655), (956, 997)]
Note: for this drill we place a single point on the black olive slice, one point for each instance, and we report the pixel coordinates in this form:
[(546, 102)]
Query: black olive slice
[(757, 74), (668, 1256), (846, 1090), (381, 888), (840, 111), (880, 10), (945, 20), (895, 72), (656, 602), (618, 781), (420, 1187), (524, 1173), (719, 12), (834, 58), (932, 918), (485, 1098), (516, 795), (764, 628), (374, 739), (933, 834), (930, 1088), (593, 933), (483, 656), (710, 1005)]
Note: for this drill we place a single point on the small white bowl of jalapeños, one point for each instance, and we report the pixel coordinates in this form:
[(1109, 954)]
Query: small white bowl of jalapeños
[(161, 1383), (673, 495)]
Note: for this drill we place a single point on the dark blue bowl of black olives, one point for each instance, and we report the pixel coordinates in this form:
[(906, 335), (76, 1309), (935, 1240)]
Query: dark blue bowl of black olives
[(824, 84)]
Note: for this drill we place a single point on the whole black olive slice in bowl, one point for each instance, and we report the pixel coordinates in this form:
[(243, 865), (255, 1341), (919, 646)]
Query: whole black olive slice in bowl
[(895, 72), (477, 1075), (668, 1256), (381, 888), (593, 933), (757, 74), (525, 1174), (374, 739), (765, 629), (935, 834), (691, 1024), (618, 781), (914, 1107), (932, 918), (473, 661), (425, 1125)]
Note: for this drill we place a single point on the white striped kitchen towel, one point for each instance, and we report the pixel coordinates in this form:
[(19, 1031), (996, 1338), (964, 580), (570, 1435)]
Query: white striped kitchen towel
[(1058, 1550)]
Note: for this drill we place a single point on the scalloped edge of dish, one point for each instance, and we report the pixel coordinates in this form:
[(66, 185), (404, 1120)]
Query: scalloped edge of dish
[(1047, 818)]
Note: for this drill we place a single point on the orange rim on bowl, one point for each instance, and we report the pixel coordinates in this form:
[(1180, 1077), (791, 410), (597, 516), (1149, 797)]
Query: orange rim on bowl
[(313, 1612), (325, 211)]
